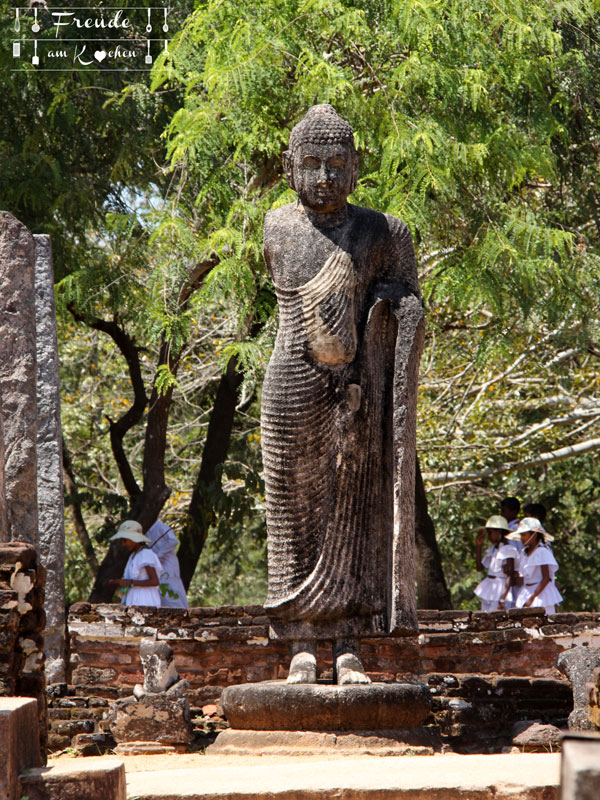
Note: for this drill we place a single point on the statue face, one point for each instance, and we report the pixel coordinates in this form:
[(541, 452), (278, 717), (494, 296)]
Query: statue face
[(323, 175)]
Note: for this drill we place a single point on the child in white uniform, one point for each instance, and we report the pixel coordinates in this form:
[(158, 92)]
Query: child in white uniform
[(498, 562), (536, 567), (140, 577), (164, 544)]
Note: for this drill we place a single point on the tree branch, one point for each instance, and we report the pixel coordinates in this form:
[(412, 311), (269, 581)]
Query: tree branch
[(119, 428), (544, 458), (155, 492), (74, 503)]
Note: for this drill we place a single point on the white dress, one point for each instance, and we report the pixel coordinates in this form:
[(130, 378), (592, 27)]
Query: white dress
[(530, 569), (135, 569), (164, 544), (491, 588), (514, 590)]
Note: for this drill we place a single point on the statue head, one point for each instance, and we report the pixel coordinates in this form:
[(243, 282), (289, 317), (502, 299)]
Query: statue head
[(322, 163)]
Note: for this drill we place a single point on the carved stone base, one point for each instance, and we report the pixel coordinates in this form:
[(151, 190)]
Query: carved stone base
[(415, 742), (287, 719), (279, 706)]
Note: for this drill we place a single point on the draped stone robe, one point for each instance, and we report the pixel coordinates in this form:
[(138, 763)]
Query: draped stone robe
[(338, 426)]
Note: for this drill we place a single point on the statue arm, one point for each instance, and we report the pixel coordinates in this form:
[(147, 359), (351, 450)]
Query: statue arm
[(403, 263), (268, 238)]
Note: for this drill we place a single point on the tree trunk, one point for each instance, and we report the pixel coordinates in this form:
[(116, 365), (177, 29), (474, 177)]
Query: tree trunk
[(112, 566), (200, 511), (432, 591)]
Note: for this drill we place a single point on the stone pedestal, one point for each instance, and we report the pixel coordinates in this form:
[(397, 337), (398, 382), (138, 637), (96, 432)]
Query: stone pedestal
[(280, 718)]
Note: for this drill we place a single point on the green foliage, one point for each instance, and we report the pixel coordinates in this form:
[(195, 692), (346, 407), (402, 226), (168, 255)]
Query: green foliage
[(476, 123)]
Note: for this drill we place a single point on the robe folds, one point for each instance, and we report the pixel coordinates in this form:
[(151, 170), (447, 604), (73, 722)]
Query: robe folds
[(338, 424)]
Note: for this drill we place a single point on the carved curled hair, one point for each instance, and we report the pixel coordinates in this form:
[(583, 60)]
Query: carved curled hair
[(322, 125)]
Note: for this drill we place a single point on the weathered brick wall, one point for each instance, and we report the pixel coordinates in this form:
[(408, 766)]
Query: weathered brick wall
[(216, 647), (22, 621), (486, 670), (475, 714)]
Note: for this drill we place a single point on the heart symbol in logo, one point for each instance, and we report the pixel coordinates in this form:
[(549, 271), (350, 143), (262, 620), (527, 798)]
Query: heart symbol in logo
[(100, 55)]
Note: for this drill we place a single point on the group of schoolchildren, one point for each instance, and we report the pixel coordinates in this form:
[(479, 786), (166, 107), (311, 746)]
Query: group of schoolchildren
[(519, 563)]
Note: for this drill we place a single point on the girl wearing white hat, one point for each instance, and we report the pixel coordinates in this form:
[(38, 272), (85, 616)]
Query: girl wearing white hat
[(498, 562), (536, 566), (142, 569)]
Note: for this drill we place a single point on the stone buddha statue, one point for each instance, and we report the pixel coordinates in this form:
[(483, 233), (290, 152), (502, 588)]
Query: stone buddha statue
[(339, 410)]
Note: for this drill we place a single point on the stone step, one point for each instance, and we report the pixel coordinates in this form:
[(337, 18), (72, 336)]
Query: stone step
[(521, 776), (19, 742)]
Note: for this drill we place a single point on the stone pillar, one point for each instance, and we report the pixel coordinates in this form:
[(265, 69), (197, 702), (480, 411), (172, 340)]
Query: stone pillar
[(3, 519), (18, 377), (49, 462)]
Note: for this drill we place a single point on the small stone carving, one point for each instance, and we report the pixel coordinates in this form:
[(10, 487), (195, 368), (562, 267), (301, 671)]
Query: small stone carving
[(160, 674), (339, 409), (578, 664)]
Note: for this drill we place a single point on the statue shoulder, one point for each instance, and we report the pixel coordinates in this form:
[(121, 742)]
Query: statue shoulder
[(276, 230), (380, 224), (398, 228), (279, 219), (392, 239)]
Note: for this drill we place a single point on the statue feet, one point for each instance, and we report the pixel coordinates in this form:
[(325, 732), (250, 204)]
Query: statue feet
[(348, 668), (303, 667)]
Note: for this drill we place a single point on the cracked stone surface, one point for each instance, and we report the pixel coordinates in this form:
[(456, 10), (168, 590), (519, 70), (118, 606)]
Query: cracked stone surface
[(18, 377), (49, 462), (578, 664)]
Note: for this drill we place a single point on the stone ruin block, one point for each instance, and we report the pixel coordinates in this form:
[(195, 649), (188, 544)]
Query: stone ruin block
[(153, 718), (19, 742), (94, 779), (578, 664), (580, 767), (593, 694)]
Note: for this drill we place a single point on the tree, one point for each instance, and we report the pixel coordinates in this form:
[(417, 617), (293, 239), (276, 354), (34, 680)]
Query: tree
[(476, 124), (463, 115)]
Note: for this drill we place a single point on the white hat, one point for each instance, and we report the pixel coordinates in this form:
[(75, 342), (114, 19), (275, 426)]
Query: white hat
[(533, 525), (497, 521), (132, 530)]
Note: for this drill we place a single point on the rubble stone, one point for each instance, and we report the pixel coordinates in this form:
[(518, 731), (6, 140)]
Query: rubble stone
[(535, 737)]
